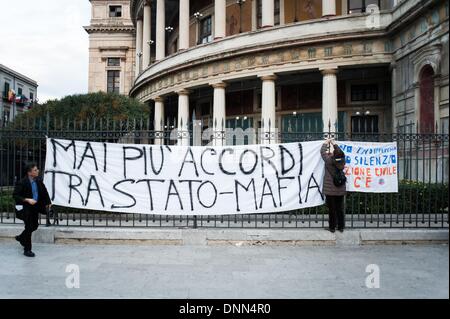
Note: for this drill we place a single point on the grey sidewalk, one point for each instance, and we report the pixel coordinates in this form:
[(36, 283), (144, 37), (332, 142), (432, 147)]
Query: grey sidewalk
[(229, 271)]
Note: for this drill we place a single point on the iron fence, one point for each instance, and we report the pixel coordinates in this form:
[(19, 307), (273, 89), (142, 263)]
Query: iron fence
[(423, 164)]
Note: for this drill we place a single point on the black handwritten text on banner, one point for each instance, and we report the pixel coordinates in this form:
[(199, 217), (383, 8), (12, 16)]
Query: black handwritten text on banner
[(182, 180)]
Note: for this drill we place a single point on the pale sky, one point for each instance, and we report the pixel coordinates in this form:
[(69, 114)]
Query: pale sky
[(45, 41)]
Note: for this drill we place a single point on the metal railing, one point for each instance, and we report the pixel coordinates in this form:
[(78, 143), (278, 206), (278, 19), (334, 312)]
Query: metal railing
[(423, 168)]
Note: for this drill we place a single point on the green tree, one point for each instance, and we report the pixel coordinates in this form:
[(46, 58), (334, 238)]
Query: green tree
[(83, 110)]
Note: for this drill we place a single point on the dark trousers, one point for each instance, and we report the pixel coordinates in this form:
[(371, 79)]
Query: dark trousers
[(335, 211), (31, 224)]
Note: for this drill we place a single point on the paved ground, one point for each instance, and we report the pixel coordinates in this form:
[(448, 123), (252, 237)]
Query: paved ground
[(126, 271)]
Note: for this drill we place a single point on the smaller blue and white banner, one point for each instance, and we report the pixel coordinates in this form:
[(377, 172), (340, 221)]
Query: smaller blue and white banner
[(371, 167)]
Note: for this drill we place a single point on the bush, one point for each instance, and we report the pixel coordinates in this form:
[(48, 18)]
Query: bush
[(6, 201), (412, 198)]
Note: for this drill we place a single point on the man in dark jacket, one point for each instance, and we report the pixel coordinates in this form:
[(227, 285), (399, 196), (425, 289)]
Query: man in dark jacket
[(31, 196), (334, 194)]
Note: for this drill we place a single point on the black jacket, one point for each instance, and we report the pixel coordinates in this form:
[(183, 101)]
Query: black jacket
[(23, 190)]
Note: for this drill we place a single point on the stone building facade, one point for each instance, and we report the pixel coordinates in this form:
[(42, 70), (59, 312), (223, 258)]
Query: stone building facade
[(112, 48), (24, 90), (360, 66)]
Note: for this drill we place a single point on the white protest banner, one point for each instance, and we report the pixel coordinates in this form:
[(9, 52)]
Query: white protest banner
[(370, 167), (182, 180)]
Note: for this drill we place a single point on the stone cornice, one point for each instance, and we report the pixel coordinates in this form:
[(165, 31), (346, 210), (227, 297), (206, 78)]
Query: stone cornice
[(106, 29), (17, 75)]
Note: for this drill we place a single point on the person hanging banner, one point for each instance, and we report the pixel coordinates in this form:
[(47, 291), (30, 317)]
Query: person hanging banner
[(183, 180), (370, 167)]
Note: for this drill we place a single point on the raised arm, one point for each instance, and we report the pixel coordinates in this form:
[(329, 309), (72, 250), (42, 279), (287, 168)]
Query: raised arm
[(324, 151)]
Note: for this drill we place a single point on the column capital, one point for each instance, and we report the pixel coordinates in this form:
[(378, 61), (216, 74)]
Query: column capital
[(268, 77), (218, 85), (183, 92), (329, 71), (392, 65), (158, 99)]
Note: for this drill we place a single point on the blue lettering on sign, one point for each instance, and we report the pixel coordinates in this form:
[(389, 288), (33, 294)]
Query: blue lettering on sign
[(372, 160)]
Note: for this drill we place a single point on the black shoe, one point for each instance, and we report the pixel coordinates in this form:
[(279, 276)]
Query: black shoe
[(47, 224), (330, 230), (28, 253), (341, 230), (19, 240)]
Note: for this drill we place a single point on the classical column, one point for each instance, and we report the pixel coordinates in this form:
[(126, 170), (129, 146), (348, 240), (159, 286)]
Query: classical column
[(268, 118), (329, 100), (220, 9), (183, 42), (183, 117), (139, 35), (159, 120), (393, 94), (416, 86), (219, 113), (328, 8), (146, 35), (160, 30), (437, 102), (268, 13)]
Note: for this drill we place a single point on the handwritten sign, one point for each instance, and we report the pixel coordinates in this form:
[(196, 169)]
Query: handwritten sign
[(370, 167), (182, 180)]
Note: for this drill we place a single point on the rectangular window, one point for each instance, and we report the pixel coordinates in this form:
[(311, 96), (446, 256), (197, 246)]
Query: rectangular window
[(5, 92), (205, 31), (5, 118), (113, 61), (113, 82), (276, 13), (358, 6), (115, 11), (31, 96), (365, 124), (19, 91), (365, 92)]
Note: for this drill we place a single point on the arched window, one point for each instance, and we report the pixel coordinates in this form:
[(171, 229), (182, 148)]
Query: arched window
[(426, 85)]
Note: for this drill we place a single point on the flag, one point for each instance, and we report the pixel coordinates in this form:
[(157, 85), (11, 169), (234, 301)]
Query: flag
[(11, 95)]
